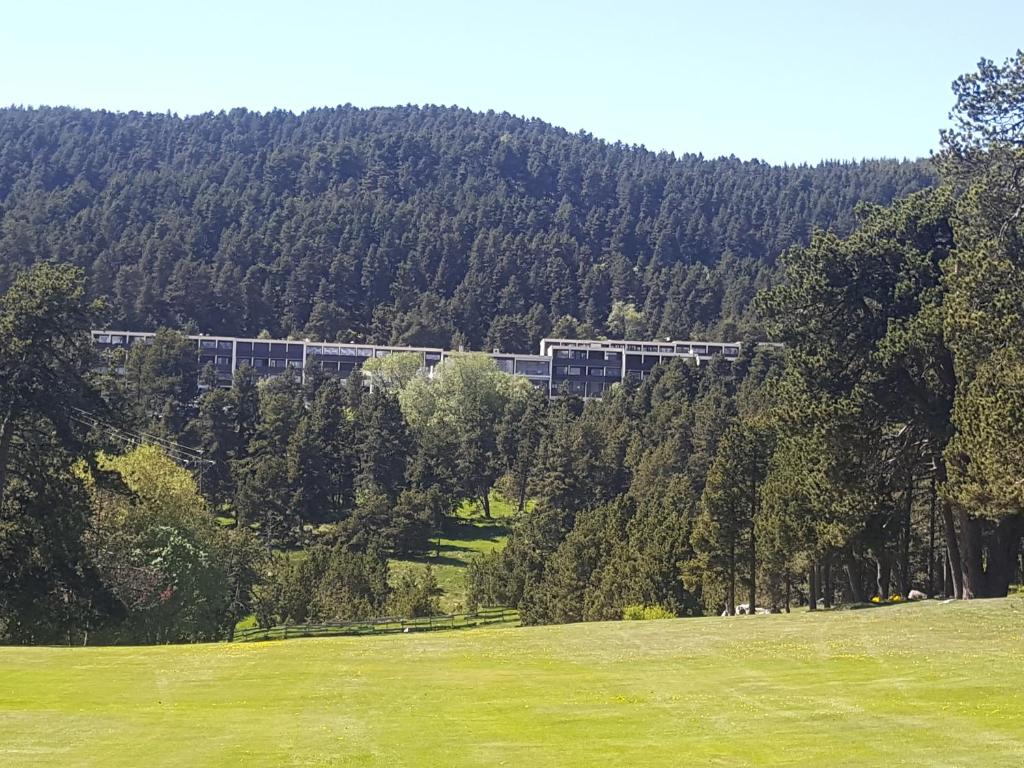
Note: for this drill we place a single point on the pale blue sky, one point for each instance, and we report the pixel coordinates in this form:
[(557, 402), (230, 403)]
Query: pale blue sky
[(779, 80)]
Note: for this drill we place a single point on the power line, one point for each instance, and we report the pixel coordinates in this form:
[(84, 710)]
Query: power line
[(181, 454)]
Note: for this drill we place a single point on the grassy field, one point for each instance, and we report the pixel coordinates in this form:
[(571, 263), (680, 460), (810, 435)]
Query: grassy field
[(912, 685), (466, 535)]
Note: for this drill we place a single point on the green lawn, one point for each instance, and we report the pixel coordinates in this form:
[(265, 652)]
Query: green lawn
[(911, 685), (466, 535)]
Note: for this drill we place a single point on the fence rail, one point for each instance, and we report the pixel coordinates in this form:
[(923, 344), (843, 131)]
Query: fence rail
[(385, 625)]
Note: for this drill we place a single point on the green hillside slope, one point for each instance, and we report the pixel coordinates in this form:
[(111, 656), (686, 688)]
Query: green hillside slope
[(926, 684)]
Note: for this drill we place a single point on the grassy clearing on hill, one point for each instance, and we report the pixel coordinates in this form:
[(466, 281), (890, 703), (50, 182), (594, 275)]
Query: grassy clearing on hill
[(914, 685), (467, 534)]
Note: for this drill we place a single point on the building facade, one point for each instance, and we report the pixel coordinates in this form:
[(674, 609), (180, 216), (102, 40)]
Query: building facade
[(584, 367)]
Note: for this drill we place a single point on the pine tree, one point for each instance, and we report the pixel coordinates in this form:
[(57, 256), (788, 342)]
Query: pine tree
[(322, 458), (385, 446)]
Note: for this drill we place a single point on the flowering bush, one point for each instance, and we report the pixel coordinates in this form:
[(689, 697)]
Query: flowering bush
[(891, 599)]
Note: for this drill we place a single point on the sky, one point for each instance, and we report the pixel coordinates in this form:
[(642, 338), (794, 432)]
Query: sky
[(779, 80)]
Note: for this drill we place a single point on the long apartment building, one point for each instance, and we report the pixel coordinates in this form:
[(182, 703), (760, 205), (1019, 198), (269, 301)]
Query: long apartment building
[(584, 367)]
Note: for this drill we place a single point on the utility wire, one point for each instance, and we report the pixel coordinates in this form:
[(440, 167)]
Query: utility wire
[(181, 454)]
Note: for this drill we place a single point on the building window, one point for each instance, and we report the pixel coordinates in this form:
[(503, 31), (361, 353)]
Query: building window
[(575, 370), (221, 360), (532, 367)]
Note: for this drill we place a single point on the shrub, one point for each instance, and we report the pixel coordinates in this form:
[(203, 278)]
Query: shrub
[(487, 582), (402, 527), (646, 613), (416, 597), (158, 551), (329, 584)]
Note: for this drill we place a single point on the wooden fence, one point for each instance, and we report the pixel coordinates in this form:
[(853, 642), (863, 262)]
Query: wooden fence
[(386, 625)]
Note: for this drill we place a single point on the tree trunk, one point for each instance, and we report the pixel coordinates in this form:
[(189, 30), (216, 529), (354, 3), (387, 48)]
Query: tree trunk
[(1002, 556), (971, 552), (485, 502), (931, 536), (990, 554), (787, 591), (812, 587), (730, 595), (883, 574), (752, 556), (521, 501), (944, 585), (904, 562), (827, 587), (853, 579), (6, 436), (956, 574)]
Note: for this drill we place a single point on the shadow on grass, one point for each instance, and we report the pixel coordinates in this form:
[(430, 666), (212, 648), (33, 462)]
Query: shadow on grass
[(474, 531), (882, 604), (431, 559), (461, 530), (454, 548)]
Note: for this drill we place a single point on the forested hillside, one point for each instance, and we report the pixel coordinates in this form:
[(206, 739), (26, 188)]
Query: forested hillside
[(873, 457), (407, 224)]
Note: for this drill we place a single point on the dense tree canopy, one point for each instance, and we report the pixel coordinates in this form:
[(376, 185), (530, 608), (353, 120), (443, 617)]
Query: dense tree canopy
[(431, 226)]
